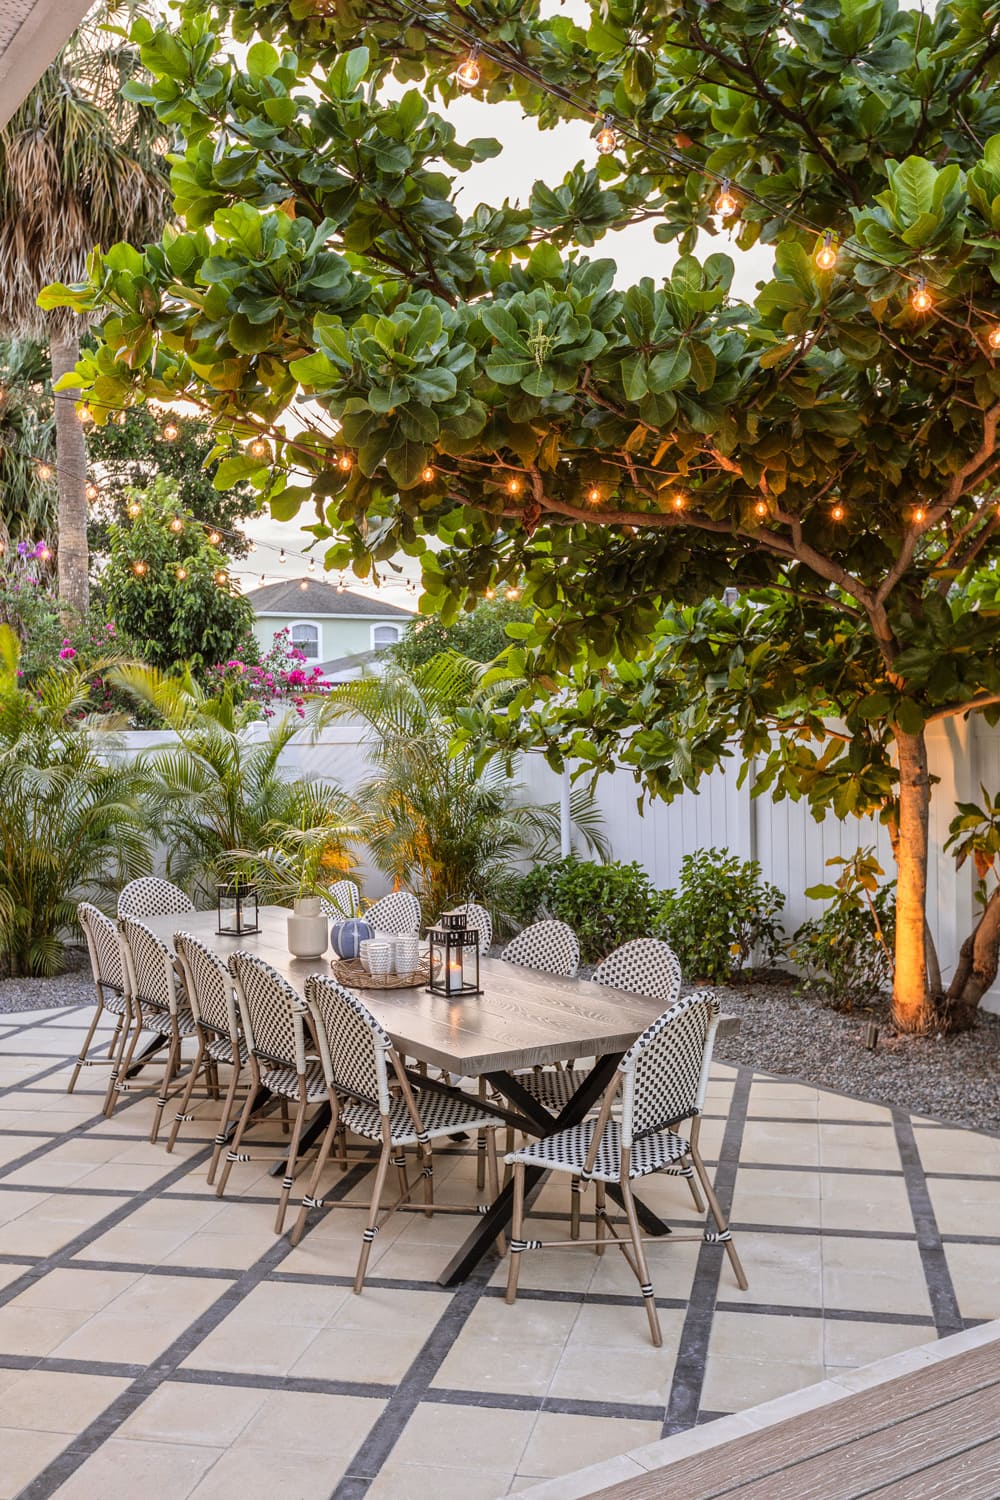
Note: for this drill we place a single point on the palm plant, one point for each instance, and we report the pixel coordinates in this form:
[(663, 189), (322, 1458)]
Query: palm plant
[(222, 806), (444, 824), (26, 435), (72, 822), (80, 166)]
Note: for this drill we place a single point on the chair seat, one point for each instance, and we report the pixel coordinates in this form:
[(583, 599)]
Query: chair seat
[(286, 1081), (153, 1014), (221, 1050), (440, 1113), (114, 1001), (566, 1151)]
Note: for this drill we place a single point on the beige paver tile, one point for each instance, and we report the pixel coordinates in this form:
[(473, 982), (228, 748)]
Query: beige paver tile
[(471, 1437), (623, 1327), (638, 1374), (124, 1468), (559, 1443), (208, 1415), (965, 1205), (974, 1275), (852, 1343), (427, 1482), (958, 1151), (36, 1330), (47, 1401), (781, 1142), (579, 1484), (259, 1474), (24, 1453), (289, 1302), (859, 1146), (734, 1384), (528, 1322), (261, 1348), (883, 1276), (763, 1336), (307, 1423), (374, 1357), (483, 1364), (782, 1270)]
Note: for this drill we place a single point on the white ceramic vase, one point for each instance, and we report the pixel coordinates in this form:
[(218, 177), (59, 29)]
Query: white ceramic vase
[(308, 932)]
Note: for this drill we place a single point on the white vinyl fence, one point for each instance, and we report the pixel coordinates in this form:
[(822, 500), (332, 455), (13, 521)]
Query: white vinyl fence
[(791, 846)]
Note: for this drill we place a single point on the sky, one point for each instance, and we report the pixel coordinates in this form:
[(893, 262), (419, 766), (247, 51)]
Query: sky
[(528, 154)]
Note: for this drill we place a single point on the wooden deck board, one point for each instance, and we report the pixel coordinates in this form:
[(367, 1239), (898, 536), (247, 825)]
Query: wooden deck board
[(972, 1475), (787, 1459)]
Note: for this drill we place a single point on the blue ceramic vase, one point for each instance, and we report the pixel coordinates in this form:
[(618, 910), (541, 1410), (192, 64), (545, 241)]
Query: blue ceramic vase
[(348, 936)]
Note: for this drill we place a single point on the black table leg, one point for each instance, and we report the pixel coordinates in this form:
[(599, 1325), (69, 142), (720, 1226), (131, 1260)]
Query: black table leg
[(148, 1052), (497, 1220)]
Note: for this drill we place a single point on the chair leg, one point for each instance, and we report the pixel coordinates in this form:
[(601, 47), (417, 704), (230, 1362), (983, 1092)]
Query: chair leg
[(575, 1193), (233, 1154), (115, 1035), (371, 1229), (399, 1162), (699, 1206), (645, 1285), (227, 1110), (600, 1226), (119, 1073), (185, 1099), (173, 1059), (516, 1232), (427, 1172), (309, 1200), (288, 1180), (493, 1178), (86, 1046), (283, 1106), (724, 1232)]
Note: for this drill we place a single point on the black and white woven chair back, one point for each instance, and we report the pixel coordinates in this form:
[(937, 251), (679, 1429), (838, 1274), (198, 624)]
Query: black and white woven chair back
[(149, 966), (152, 897), (548, 945), (646, 966), (397, 913), (666, 1068), (270, 1011), (342, 902), (209, 985), (479, 919), (353, 1046), (103, 947)]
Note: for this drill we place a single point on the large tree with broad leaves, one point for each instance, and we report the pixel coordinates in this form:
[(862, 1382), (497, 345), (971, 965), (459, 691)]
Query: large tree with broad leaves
[(475, 376)]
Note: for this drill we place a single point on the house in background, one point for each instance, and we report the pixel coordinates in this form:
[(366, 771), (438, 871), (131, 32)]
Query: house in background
[(334, 629)]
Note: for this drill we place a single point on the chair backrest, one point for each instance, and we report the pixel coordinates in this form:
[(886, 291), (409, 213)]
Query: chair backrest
[(548, 945), (666, 1069), (150, 976), (209, 985), (343, 901), (152, 897), (103, 947), (353, 1046), (478, 918), (646, 966), (399, 913), (271, 1012)]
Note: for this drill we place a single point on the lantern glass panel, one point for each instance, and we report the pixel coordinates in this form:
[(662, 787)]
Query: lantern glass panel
[(237, 908)]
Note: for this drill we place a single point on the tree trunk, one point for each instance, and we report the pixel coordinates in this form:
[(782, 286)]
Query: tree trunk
[(976, 968), (71, 470), (912, 1007)]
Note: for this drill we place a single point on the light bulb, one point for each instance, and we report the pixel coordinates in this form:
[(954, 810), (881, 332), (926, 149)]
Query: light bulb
[(84, 414), (181, 574), (134, 509), (92, 492), (607, 137), (139, 568), (993, 337), (678, 502), (837, 513), (170, 432), (345, 463), (304, 584), (513, 486), (252, 546), (220, 577), (340, 585), (259, 448), (467, 74), (760, 509), (490, 593), (177, 524), (44, 472), (312, 565), (214, 538), (826, 255), (427, 475), (920, 298), (725, 203), (263, 579), (512, 593), (594, 495), (919, 516), (282, 559)]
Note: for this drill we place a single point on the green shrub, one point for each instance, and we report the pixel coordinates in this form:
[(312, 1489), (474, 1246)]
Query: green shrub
[(846, 954), (721, 912), (604, 904)]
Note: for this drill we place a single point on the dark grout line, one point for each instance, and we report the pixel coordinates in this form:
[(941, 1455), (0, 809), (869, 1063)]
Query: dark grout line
[(684, 1401), (304, 1384), (565, 1406), (940, 1289)]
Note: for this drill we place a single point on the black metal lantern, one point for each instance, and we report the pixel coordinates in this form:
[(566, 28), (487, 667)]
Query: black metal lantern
[(454, 956), (237, 907)]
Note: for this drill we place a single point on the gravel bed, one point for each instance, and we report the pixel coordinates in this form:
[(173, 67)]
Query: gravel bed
[(75, 987)]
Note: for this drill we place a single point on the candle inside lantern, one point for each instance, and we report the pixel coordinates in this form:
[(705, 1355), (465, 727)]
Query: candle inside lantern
[(455, 977)]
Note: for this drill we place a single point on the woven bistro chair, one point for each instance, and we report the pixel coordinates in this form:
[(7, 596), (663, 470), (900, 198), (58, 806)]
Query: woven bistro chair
[(273, 1022), (152, 897), (357, 1055), (342, 902), (662, 1079), (399, 913), (109, 983), (209, 987), (548, 945), (158, 1001), (477, 919)]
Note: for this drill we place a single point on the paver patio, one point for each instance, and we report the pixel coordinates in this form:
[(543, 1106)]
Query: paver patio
[(154, 1336)]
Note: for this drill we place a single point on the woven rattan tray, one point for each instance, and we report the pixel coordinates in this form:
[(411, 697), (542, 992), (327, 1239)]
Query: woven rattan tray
[(352, 972)]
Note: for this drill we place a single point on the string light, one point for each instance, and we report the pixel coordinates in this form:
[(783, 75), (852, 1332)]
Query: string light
[(282, 559), (594, 495), (345, 463), (340, 584), (512, 594), (993, 337), (427, 475), (177, 524), (134, 509), (259, 448), (252, 546), (45, 472), (607, 137), (170, 432), (489, 593), (181, 574), (919, 516), (826, 255), (312, 565), (513, 486), (678, 502), (139, 569), (304, 584), (837, 512), (725, 203), (468, 74), (920, 298), (85, 415), (214, 538), (92, 492), (221, 577), (760, 509), (263, 579)]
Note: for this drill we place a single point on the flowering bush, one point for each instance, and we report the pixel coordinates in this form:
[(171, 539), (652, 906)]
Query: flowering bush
[(280, 676), (28, 605)]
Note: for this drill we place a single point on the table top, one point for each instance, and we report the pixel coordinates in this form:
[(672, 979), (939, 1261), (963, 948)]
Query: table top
[(523, 1018)]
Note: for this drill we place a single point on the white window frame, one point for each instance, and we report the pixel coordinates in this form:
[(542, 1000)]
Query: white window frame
[(385, 625), (297, 645)]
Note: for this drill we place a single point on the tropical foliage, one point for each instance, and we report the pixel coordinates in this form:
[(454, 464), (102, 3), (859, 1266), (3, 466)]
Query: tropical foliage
[(480, 634), (72, 823), (845, 954), (605, 904), (447, 828), (720, 916)]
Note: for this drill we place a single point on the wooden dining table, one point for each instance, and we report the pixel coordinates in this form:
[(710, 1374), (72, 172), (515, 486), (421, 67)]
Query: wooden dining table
[(524, 1018)]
